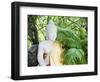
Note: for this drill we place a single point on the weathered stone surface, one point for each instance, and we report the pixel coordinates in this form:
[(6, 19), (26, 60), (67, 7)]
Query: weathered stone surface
[(32, 55)]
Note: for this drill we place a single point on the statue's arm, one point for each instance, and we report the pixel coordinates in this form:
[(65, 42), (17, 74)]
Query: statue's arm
[(40, 56)]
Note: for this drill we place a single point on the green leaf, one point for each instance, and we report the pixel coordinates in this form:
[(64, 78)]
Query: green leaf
[(74, 56), (68, 37)]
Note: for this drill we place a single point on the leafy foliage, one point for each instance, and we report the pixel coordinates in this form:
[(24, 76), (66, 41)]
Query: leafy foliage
[(74, 46), (74, 56)]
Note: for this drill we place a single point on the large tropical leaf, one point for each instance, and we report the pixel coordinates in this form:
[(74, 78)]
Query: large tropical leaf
[(74, 56), (68, 38)]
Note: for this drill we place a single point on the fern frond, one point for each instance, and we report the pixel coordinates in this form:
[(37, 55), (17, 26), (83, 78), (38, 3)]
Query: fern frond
[(68, 37), (74, 56)]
